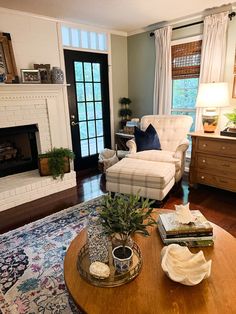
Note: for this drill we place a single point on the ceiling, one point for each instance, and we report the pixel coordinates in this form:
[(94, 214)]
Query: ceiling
[(121, 15)]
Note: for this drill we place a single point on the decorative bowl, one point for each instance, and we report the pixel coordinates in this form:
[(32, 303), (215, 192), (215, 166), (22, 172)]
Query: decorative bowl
[(184, 267)]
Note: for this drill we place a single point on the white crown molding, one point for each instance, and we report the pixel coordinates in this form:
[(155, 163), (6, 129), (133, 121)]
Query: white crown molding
[(173, 23), (137, 31), (64, 22), (179, 21)]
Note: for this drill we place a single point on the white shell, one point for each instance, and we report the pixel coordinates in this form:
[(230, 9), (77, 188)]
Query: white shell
[(183, 215), (99, 269), (182, 266)]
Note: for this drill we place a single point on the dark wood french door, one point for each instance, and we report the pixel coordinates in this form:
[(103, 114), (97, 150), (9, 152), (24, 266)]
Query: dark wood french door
[(88, 94)]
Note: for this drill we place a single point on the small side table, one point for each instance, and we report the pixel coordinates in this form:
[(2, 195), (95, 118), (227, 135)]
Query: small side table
[(121, 139)]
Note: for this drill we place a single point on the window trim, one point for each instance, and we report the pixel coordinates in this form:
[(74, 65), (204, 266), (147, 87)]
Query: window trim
[(178, 42), (186, 40)]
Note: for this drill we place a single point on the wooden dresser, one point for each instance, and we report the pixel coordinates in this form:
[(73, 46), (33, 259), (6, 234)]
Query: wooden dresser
[(213, 160)]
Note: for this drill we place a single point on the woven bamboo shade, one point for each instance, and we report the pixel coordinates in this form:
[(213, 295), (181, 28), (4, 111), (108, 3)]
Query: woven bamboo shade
[(186, 60)]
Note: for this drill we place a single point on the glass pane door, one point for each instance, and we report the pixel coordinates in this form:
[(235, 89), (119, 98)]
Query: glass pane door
[(88, 93), (89, 107)]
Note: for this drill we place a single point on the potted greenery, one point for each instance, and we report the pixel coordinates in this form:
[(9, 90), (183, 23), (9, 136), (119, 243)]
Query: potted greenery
[(232, 120), (55, 162), (125, 215), (124, 112)]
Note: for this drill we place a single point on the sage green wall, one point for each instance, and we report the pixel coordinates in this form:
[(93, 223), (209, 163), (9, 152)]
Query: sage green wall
[(119, 73), (141, 65)]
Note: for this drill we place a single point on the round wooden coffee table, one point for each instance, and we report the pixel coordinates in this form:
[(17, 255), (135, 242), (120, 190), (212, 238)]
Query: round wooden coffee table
[(152, 291)]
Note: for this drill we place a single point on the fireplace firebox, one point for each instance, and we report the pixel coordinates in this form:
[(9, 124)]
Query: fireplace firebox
[(18, 149)]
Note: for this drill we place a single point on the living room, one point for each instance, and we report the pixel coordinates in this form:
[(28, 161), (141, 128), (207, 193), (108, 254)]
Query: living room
[(46, 35)]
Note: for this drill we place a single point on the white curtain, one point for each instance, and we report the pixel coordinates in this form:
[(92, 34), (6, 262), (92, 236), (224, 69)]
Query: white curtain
[(162, 83), (213, 52)]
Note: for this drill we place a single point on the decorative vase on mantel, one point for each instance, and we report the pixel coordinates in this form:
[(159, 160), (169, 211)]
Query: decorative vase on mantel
[(57, 75)]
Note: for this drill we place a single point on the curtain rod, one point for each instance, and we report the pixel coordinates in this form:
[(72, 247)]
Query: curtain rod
[(230, 15)]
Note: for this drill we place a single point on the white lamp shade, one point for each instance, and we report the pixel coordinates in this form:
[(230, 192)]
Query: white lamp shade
[(213, 95)]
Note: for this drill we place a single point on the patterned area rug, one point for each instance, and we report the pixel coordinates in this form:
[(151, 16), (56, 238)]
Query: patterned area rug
[(31, 263)]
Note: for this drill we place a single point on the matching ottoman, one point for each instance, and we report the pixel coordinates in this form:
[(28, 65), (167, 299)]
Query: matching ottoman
[(147, 178)]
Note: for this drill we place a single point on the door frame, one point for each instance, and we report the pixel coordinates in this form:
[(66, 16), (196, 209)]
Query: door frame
[(71, 94)]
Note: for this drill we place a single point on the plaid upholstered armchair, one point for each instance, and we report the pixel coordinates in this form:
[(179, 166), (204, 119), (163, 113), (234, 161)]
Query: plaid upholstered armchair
[(172, 132), (152, 173)]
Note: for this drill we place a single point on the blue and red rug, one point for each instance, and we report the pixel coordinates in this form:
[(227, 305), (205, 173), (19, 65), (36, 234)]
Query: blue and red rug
[(31, 263)]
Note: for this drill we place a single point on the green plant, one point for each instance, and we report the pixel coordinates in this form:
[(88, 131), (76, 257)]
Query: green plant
[(231, 117), (56, 160), (124, 101), (125, 215), (125, 112), (122, 112)]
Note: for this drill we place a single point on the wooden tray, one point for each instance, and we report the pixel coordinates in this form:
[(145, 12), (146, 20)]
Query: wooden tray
[(225, 132)]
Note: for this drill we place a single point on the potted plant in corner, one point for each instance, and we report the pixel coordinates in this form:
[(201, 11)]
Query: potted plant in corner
[(55, 162), (232, 121), (122, 216), (124, 112)]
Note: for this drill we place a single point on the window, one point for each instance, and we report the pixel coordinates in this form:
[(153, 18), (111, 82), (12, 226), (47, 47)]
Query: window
[(186, 59), (79, 38)]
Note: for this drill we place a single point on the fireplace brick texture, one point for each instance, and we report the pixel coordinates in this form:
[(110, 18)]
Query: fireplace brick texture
[(28, 186), (43, 105)]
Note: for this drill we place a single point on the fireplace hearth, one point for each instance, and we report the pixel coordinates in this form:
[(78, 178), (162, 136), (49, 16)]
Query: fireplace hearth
[(18, 149)]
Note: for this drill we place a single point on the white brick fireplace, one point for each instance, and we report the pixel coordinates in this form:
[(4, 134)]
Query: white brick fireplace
[(43, 105)]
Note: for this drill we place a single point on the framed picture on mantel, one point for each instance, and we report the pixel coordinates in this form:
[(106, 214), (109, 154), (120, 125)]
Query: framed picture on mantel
[(30, 76), (44, 70)]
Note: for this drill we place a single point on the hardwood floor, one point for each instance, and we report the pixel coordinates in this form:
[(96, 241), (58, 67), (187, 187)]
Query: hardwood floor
[(217, 205)]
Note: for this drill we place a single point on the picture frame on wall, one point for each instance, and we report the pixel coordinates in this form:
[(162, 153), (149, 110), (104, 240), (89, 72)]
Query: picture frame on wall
[(30, 76), (234, 88), (8, 71), (45, 74)]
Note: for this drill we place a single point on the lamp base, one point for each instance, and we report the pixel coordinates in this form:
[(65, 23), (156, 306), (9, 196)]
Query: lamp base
[(209, 123)]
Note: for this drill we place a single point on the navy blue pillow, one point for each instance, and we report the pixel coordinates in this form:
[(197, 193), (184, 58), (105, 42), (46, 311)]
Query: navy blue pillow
[(147, 140)]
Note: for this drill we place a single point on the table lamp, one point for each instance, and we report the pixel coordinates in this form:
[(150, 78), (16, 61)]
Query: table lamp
[(210, 97)]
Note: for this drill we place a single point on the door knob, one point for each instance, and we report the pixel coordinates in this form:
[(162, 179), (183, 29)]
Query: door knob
[(72, 117), (73, 123)]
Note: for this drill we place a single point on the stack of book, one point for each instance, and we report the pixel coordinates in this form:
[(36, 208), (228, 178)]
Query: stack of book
[(197, 233)]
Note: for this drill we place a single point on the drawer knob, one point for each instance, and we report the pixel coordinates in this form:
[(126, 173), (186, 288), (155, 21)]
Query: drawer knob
[(202, 177), (204, 145), (203, 160), (223, 147)]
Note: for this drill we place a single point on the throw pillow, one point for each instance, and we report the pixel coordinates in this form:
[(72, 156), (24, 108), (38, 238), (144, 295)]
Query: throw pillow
[(147, 140)]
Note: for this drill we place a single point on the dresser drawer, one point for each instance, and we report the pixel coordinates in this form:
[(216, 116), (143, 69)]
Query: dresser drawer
[(217, 181), (224, 148), (217, 165)]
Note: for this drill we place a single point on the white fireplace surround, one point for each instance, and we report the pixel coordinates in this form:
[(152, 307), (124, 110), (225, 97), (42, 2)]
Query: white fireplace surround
[(43, 105)]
